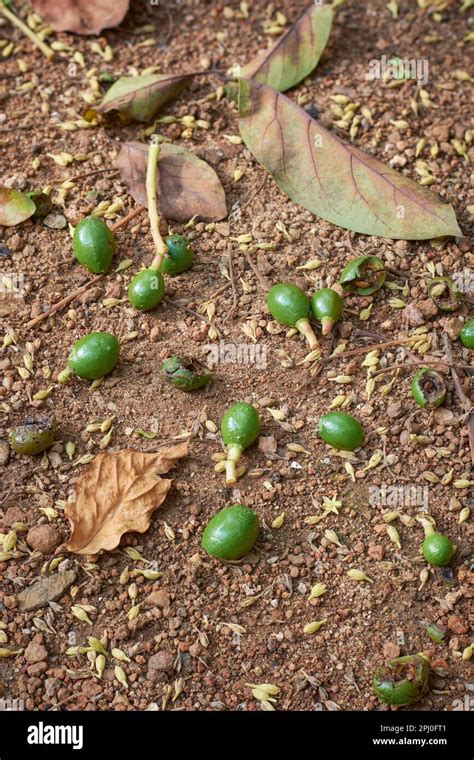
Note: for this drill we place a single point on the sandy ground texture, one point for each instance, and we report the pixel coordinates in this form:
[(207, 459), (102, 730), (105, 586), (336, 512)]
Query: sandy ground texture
[(205, 628)]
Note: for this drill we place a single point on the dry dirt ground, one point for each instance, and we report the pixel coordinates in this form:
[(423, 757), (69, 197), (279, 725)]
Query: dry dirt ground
[(199, 660)]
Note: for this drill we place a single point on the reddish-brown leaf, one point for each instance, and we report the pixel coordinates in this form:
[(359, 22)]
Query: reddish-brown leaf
[(187, 185), (333, 179), (296, 53), (118, 493), (82, 16)]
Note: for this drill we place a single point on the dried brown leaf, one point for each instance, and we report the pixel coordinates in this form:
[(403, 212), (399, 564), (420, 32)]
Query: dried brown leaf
[(118, 493), (82, 16), (188, 186)]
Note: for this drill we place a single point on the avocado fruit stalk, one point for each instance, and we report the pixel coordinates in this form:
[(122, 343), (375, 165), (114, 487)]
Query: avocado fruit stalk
[(240, 427), (289, 305), (327, 306)]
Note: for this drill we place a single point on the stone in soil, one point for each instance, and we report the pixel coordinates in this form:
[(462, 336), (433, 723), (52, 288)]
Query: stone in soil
[(159, 663), (4, 453), (46, 590), (35, 652), (43, 538)]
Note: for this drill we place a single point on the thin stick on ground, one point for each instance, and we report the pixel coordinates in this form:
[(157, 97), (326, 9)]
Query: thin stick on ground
[(231, 275), (262, 281), (161, 249), (466, 403), (47, 52), (72, 296)]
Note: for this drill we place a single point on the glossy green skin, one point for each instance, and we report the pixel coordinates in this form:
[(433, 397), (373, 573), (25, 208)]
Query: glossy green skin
[(34, 436), (146, 290), (231, 533), (467, 334), (288, 303), (94, 355), (455, 297), (420, 395), (392, 688), (341, 431), (327, 303), (185, 373), (240, 425), (437, 550), (180, 255), (354, 270), (94, 244)]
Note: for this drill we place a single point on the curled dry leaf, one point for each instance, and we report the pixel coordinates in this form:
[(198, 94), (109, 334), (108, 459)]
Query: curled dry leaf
[(333, 179), (117, 494), (296, 53), (82, 16), (15, 207), (141, 97), (187, 185)]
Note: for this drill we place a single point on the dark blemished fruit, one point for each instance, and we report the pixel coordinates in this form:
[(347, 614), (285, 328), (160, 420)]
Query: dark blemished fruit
[(403, 681), (327, 306), (240, 427), (34, 435), (94, 355), (428, 388), (364, 275), (467, 334), (341, 430), (180, 255), (94, 244), (231, 533), (146, 290), (289, 305), (185, 373), (437, 549), (445, 294)]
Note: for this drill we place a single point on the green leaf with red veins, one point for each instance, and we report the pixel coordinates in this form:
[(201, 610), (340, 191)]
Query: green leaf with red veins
[(188, 186), (333, 179), (15, 207), (296, 53), (139, 98)]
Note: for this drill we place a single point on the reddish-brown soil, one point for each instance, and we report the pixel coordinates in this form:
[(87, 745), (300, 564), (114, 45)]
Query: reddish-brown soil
[(366, 622)]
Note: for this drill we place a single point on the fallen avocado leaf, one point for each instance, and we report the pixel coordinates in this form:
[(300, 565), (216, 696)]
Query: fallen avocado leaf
[(118, 493), (82, 16), (15, 207), (296, 53), (333, 179), (188, 186), (140, 97)]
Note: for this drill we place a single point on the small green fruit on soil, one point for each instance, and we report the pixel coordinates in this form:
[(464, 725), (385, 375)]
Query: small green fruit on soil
[(289, 305), (240, 427), (94, 355), (35, 435), (364, 275), (146, 290), (327, 306), (403, 681), (428, 388), (185, 373), (231, 533), (180, 255), (94, 244), (467, 334), (341, 430), (437, 549)]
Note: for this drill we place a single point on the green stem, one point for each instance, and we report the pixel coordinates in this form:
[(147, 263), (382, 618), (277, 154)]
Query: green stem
[(161, 249), (26, 30), (304, 327), (234, 452)]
